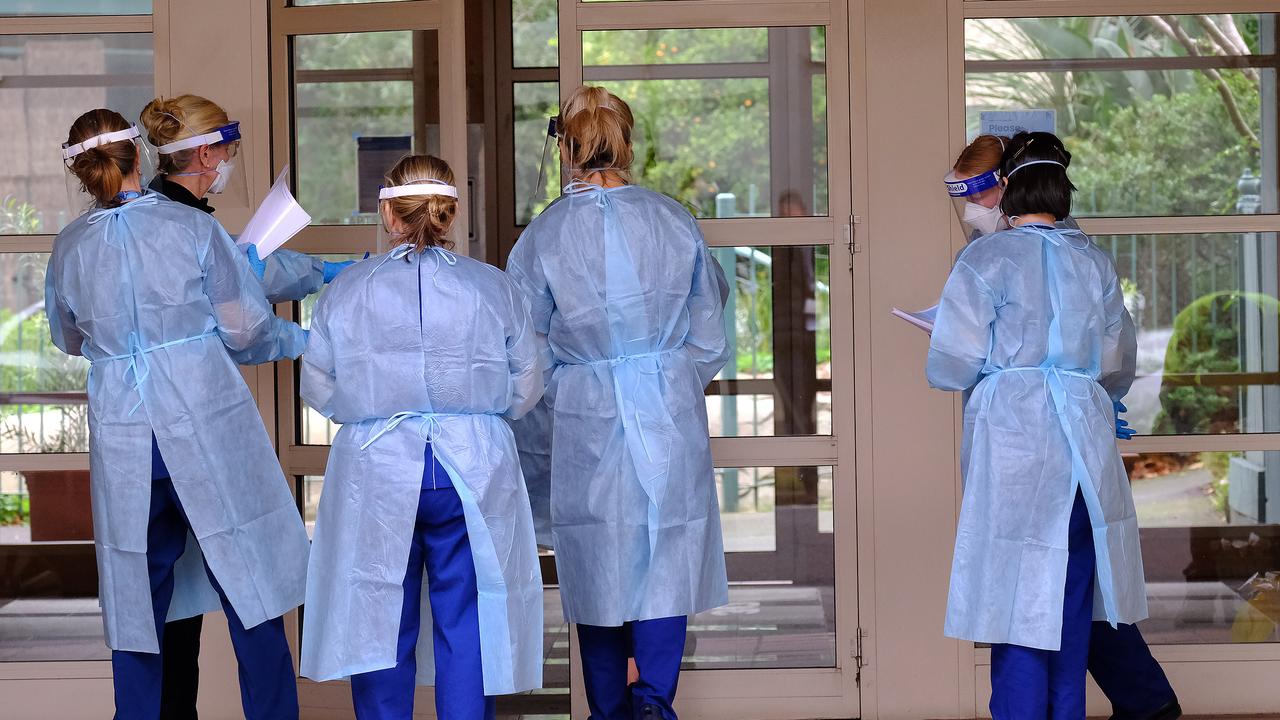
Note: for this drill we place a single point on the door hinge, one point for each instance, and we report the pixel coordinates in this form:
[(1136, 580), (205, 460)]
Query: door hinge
[(855, 652), (851, 237)]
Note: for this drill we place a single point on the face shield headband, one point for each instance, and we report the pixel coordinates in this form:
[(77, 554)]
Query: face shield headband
[(971, 186), (70, 151), (226, 134), (418, 187)]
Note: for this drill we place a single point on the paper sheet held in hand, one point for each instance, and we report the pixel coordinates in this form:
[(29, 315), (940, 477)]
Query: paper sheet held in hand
[(923, 319), (277, 219)]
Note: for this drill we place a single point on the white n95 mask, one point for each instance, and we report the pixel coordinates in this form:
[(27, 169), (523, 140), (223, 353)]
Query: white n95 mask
[(985, 220), (224, 171)]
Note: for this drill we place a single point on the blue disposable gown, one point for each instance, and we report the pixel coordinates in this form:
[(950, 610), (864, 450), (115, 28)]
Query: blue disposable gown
[(631, 303), (407, 348), (1035, 318), (533, 439), (289, 275), (154, 294)]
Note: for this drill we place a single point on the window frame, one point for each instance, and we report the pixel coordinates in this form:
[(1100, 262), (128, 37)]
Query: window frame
[(288, 22), (960, 11), (156, 25), (831, 691)]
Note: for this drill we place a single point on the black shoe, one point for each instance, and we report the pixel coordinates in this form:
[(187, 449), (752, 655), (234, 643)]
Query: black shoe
[(1171, 711), (649, 712)]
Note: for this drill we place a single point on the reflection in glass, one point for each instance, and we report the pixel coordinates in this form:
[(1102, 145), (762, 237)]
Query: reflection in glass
[(535, 33), (533, 104), (43, 405), (1210, 545), (356, 107), (778, 378), (780, 554), (48, 574), (314, 428), (1155, 130), (711, 129), (49, 80), (1208, 322)]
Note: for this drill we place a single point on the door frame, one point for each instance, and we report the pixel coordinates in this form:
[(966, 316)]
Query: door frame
[(448, 19), (783, 693)]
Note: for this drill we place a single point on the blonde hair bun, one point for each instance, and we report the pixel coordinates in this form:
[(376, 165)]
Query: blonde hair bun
[(426, 218), (169, 119)]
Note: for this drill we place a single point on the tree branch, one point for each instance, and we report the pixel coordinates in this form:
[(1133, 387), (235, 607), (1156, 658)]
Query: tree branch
[(1169, 26), (1225, 44)]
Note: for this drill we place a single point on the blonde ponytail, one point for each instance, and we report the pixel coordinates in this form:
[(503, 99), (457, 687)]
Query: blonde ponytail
[(596, 130)]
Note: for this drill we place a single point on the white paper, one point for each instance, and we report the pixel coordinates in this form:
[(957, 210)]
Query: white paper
[(923, 319), (277, 219)]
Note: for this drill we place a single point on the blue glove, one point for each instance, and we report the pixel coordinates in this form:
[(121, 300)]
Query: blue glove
[(331, 269), (306, 336), (1123, 431), (258, 264)]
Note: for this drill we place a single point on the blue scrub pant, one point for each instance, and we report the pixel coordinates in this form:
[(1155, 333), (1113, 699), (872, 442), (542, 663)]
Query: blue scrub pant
[(181, 648), (268, 685), (1027, 683), (657, 646), (1121, 663), (440, 544)]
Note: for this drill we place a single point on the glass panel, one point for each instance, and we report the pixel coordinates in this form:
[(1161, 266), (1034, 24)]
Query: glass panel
[(49, 80), (781, 562), (27, 8), (534, 104), (43, 405), (535, 33), (1110, 37), (778, 379), (675, 47), (1154, 130), (1210, 545), (357, 110), (304, 3), (1208, 327), (48, 574), (309, 489), (715, 134), (314, 428)]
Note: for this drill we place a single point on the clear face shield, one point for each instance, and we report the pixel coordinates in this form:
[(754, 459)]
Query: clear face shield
[(390, 233), (550, 160), (976, 201), (78, 200), (215, 162)]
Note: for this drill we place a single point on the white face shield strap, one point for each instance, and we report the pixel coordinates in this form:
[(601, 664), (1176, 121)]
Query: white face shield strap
[(428, 187), (1034, 162), (70, 151)]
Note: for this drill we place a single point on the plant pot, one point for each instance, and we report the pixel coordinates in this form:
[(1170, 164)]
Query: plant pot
[(61, 508)]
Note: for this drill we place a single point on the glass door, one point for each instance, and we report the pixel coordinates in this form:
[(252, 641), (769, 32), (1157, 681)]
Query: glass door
[(745, 120), (356, 86)]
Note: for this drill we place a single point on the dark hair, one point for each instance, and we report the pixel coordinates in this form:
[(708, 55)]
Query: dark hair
[(1040, 188), (102, 170)]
